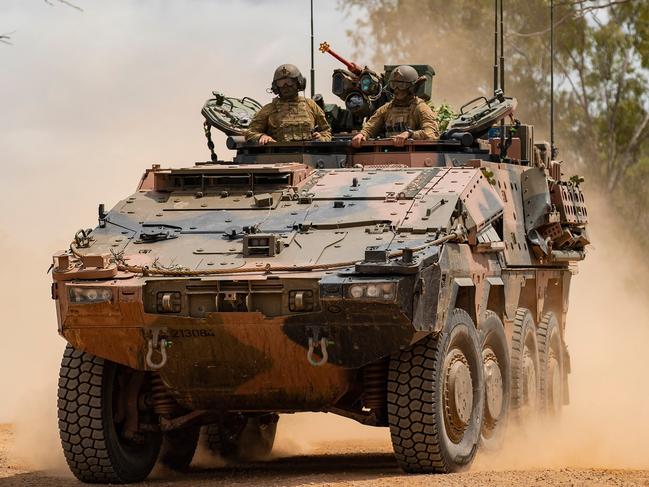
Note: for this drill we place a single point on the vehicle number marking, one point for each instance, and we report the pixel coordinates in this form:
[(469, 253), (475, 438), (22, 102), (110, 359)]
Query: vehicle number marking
[(191, 333)]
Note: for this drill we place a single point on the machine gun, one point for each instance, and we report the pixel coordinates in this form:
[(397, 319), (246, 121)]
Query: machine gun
[(362, 90)]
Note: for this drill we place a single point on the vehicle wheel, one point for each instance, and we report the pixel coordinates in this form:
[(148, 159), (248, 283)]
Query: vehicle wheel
[(497, 378), (178, 447), (436, 399), (526, 379), (240, 438), (551, 362), (92, 423)]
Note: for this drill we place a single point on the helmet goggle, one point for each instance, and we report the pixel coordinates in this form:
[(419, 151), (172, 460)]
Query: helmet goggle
[(399, 85), (285, 82)]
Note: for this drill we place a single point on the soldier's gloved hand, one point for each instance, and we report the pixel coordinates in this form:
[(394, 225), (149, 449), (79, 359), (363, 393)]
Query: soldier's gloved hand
[(264, 139), (357, 139), (400, 140), (316, 136)]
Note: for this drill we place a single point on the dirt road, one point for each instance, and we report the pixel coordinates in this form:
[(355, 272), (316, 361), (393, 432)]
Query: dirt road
[(361, 462)]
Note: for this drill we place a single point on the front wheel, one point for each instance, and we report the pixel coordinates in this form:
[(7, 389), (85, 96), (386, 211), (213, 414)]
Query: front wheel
[(436, 399), (97, 434)]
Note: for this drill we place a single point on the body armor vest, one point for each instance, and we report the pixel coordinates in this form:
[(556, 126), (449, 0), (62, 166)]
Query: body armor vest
[(400, 118), (291, 121)]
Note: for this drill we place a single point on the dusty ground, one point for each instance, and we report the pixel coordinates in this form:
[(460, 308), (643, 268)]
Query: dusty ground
[(362, 462)]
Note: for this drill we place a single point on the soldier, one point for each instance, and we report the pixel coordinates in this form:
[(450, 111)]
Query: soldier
[(405, 117), (289, 117)]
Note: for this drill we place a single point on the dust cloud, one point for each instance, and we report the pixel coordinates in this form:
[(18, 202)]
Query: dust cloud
[(63, 156), (607, 333)]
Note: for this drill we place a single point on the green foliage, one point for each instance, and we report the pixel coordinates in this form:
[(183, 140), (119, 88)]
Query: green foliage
[(576, 180), (444, 114)]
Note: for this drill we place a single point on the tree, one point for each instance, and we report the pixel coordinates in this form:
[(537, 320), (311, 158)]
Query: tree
[(601, 63)]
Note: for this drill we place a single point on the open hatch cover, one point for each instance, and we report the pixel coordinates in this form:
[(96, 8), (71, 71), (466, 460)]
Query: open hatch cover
[(230, 115)]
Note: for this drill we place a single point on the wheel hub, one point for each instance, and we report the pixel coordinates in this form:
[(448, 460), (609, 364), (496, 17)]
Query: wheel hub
[(493, 384), (458, 394), (554, 384), (529, 375)]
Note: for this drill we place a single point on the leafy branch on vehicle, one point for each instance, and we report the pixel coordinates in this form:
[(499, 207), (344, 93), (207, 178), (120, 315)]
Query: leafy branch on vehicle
[(444, 114)]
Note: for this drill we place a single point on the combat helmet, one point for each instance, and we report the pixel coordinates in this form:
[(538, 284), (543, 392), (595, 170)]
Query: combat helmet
[(288, 71), (403, 77)]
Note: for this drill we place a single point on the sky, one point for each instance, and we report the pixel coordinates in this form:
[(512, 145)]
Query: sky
[(89, 99)]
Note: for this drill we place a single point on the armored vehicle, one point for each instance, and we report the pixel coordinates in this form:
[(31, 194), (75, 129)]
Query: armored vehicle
[(423, 288)]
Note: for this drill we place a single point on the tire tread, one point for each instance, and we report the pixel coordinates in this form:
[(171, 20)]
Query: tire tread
[(79, 415)]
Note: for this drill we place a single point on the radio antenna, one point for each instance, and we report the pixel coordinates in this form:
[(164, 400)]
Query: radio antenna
[(312, 61), (503, 138), (502, 49), (495, 45), (553, 147)]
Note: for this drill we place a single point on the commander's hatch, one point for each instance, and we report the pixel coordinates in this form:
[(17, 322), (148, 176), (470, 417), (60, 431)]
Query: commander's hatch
[(230, 115), (480, 114)]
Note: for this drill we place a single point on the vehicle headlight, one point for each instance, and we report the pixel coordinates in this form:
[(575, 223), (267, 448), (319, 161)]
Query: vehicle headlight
[(357, 291), (373, 290), (86, 295)]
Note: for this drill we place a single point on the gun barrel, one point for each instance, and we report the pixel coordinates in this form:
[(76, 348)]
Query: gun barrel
[(353, 67)]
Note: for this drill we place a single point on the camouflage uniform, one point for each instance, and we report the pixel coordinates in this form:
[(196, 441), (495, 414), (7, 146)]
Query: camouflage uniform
[(289, 121), (393, 119)]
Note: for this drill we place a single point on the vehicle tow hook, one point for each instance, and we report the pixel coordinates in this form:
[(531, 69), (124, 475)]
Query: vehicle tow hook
[(313, 344), (160, 345)]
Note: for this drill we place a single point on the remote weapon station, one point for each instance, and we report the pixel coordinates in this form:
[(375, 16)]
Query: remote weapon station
[(423, 287)]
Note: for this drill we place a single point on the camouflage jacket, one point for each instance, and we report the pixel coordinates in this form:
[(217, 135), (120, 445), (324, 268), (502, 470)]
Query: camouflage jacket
[(289, 121), (392, 119)]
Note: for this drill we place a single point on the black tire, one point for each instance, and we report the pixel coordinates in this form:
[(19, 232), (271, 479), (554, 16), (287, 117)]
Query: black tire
[(497, 377), (93, 447), (434, 428), (240, 438), (178, 447), (551, 362), (526, 377)]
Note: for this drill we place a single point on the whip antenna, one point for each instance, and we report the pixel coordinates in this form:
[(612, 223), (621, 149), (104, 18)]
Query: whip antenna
[(312, 67), (495, 45), (553, 147), (503, 139), (502, 49)]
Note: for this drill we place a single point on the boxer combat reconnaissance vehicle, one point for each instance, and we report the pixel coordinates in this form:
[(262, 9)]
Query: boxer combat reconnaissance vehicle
[(422, 288)]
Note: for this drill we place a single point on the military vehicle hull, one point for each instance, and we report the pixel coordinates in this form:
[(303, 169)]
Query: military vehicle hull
[(426, 286)]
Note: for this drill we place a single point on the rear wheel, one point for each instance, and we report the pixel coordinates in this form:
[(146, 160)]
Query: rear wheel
[(178, 447), (239, 438), (100, 440), (551, 362), (497, 377), (436, 399), (526, 377)]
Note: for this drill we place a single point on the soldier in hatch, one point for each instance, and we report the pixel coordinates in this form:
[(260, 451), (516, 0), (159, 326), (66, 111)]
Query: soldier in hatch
[(289, 117), (405, 117)]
